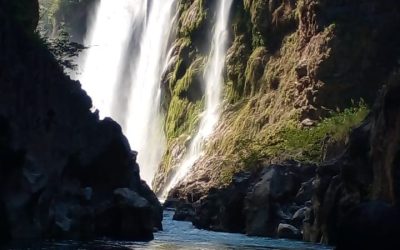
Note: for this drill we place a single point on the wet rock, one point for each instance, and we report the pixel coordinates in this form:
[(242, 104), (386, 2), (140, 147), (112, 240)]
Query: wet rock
[(125, 196), (288, 232), (277, 185), (299, 216), (184, 212), (347, 189), (254, 203), (127, 217), (305, 192), (222, 209), (372, 225), (171, 203)]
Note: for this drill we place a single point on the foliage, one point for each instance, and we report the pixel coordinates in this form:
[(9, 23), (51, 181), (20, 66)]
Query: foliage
[(64, 51), (182, 117), (192, 17), (292, 142), (303, 143)]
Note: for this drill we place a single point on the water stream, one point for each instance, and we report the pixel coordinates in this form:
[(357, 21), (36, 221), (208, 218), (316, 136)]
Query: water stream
[(213, 88), (128, 43), (108, 39), (144, 127), (182, 235)]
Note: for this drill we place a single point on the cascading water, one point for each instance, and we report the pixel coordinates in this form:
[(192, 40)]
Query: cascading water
[(123, 68), (108, 40), (213, 82), (145, 119)]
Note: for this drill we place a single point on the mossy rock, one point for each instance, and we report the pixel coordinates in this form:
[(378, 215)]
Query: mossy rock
[(255, 69), (190, 85), (236, 60), (182, 117), (192, 17)]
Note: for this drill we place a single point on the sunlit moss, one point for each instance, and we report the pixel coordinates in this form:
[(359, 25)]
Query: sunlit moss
[(254, 70), (192, 16), (291, 141), (182, 117)]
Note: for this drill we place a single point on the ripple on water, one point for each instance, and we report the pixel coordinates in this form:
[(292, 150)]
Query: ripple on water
[(182, 235)]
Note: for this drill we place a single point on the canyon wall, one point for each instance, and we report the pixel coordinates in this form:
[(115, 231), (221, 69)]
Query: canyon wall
[(290, 65), (64, 173), (308, 137), (300, 75)]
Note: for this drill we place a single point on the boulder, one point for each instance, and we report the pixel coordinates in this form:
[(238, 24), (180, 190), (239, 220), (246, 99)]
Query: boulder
[(288, 232), (278, 184), (127, 217), (305, 192), (299, 216), (223, 209), (184, 212)]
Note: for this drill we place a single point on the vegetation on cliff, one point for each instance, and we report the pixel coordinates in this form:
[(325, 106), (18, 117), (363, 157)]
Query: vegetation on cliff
[(304, 67), (298, 91), (60, 17)]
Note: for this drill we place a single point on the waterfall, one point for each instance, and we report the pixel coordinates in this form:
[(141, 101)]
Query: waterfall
[(108, 39), (213, 87), (145, 125), (122, 71)]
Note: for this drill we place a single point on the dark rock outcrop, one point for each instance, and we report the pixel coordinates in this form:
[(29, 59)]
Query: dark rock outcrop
[(288, 231), (63, 172), (350, 201), (356, 197), (270, 201), (255, 203)]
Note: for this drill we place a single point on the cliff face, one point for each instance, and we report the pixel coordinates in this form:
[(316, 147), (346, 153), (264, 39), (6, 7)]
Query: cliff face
[(299, 76), (72, 17), (63, 172), (289, 65), (356, 197)]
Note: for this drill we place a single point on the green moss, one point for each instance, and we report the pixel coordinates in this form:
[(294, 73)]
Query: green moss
[(290, 141), (192, 17), (305, 144), (236, 60), (255, 69), (257, 39), (182, 117), (260, 17), (193, 74)]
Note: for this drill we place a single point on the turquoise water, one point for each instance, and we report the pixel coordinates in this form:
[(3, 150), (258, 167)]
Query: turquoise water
[(182, 235)]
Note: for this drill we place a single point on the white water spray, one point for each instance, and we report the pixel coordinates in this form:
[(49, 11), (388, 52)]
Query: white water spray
[(145, 119), (117, 26), (108, 40), (213, 87)]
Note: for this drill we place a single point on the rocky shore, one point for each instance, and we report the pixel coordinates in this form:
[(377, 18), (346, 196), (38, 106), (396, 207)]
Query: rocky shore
[(349, 201)]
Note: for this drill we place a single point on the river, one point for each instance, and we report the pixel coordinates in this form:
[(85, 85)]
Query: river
[(182, 235)]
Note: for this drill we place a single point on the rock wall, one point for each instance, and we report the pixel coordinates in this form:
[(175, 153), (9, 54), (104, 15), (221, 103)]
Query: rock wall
[(356, 198), (66, 17), (350, 202), (63, 172), (290, 66)]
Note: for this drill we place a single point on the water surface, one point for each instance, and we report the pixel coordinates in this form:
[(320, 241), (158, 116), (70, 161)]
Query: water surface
[(182, 235)]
